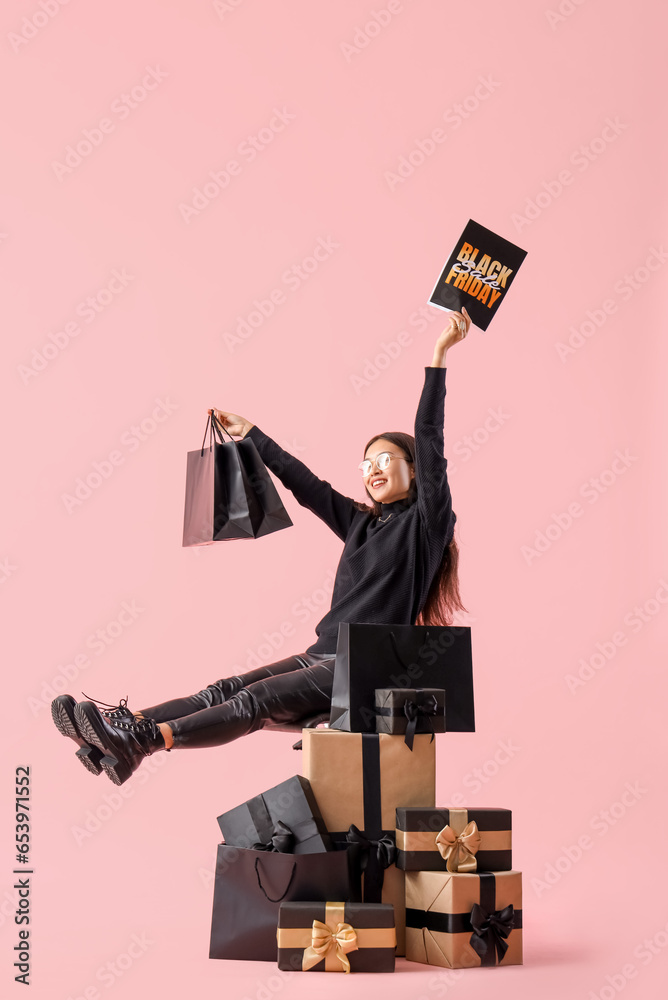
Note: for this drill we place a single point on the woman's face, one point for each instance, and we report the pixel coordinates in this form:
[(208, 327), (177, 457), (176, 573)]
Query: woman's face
[(392, 483)]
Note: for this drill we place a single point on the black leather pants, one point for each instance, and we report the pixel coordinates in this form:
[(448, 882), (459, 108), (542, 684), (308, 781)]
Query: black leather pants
[(281, 692)]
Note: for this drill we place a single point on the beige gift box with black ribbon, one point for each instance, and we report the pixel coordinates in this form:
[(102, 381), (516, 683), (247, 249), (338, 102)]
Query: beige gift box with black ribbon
[(465, 920), (360, 779)]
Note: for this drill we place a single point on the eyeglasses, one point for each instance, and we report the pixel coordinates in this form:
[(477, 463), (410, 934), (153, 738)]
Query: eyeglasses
[(382, 462)]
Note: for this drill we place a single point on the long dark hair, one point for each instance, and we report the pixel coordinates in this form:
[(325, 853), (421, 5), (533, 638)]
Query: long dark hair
[(443, 598)]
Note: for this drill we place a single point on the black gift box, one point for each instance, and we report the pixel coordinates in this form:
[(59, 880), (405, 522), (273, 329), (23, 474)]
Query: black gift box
[(285, 818), (485, 848), (368, 931), (410, 711), (373, 656)]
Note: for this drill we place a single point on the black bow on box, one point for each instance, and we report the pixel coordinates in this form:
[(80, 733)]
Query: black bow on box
[(409, 711), (282, 840), (377, 855), (425, 706), (490, 931)]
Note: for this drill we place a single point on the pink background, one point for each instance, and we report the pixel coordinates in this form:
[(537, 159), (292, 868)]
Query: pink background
[(362, 96)]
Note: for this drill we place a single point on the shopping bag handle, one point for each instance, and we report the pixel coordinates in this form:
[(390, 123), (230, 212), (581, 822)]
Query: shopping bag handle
[(218, 427), (214, 426), (259, 882), (395, 647)]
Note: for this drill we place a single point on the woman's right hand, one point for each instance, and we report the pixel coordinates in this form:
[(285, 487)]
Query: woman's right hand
[(233, 423)]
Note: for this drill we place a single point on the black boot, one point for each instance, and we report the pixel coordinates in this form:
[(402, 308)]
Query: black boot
[(124, 742), (62, 713), (120, 711)]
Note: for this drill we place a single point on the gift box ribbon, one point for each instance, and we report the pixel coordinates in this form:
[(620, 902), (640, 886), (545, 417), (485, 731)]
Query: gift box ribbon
[(377, 855), (424, 706), (490, 931), (281, 839), (272, 836), (333, 939), (458, 850)]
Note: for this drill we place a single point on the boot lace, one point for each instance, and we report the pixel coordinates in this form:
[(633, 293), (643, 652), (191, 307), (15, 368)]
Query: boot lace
[(120, 711), (122, 718)]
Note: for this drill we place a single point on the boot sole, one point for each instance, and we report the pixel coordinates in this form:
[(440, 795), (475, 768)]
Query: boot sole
[(62, 713), (116, 768)]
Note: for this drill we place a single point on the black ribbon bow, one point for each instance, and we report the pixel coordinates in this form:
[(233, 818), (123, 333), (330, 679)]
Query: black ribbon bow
[(490, 931), (424, 706), (377, 855), (282, 840)]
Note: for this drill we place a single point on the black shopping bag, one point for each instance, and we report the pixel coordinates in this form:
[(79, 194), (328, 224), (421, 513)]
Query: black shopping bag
[(251, 885), (274, 516), (371, 656), (229, 492)]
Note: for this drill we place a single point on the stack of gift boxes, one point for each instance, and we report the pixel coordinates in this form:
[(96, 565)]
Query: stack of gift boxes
[(352, 862)]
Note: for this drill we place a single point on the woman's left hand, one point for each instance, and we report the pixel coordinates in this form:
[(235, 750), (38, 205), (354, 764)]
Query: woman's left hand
[(459, 326)]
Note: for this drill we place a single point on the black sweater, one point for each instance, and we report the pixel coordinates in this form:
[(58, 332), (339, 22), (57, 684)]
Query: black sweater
[(386, 568)]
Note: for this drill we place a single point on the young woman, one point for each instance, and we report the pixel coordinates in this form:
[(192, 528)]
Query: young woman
[(399, 565)]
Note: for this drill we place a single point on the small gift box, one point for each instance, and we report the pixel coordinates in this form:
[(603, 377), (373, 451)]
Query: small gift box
[(285, 818), (359, 780), (407, 711), (336, 937), (454, 840), (460, 921)]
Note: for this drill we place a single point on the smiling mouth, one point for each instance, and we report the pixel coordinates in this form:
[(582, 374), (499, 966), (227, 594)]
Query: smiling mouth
[(377, 483)]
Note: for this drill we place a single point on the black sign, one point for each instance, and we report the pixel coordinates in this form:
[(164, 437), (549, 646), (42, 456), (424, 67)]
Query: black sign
[(478, 274)]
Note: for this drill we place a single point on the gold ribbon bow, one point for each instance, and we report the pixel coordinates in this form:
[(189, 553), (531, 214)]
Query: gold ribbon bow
[(331, 942), (459, 850)]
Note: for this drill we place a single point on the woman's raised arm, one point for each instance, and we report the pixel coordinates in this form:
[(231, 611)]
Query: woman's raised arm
[(431, 477)]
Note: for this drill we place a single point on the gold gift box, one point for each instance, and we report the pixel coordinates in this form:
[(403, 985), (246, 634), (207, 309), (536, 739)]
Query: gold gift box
[(439, 927)]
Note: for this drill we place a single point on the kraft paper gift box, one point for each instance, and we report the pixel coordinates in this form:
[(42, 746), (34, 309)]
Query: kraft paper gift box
[(410, 711), (454, 840), (285, 818), (461, 921), (359, 780), (336, 937)]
